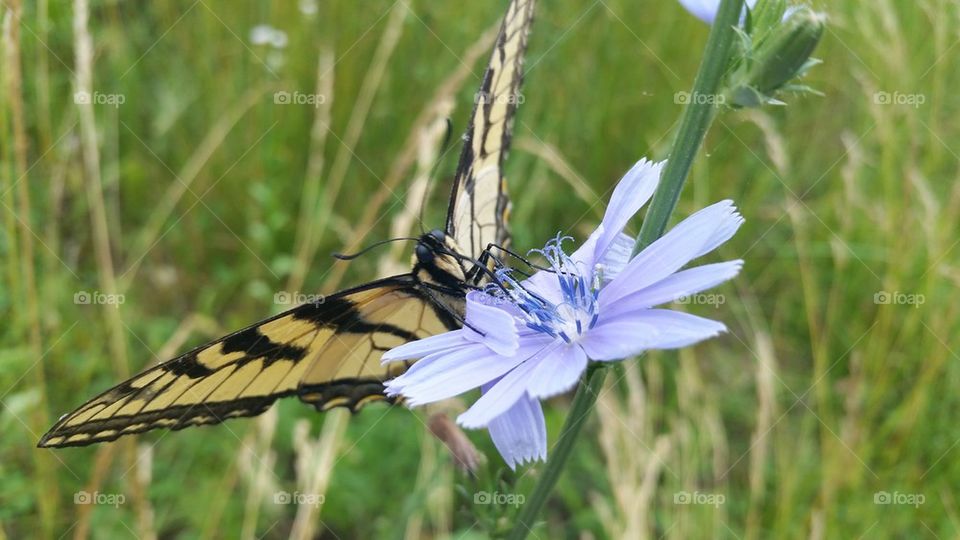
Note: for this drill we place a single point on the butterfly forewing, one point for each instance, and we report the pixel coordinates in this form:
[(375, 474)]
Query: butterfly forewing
[(328, 353), (477, 215)]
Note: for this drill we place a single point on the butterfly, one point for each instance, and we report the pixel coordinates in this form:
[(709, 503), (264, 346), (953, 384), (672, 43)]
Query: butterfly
[(328, 353)]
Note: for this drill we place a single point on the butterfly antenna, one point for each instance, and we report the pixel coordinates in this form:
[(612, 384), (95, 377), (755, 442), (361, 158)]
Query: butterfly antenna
[(364, 251)]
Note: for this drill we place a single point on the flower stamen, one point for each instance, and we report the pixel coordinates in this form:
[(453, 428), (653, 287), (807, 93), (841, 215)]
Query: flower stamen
[(567, 320)]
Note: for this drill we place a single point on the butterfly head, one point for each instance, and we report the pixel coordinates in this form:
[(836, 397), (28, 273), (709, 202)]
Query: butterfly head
[(436, 260), (430, 246)]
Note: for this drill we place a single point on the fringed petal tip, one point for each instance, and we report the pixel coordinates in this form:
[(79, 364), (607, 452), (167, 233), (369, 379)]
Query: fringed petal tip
[(393, 390), (530, 460), (520, 433)]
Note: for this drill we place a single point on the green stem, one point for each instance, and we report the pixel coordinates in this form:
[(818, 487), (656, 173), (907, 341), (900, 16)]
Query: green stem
[(583, 403), (694, 124)]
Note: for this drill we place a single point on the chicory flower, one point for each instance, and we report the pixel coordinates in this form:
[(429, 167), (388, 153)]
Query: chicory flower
[(525, 341)]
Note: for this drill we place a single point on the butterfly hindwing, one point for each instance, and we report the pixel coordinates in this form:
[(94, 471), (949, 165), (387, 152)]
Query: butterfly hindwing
[(479, 206), (328, 353), (353, 375)]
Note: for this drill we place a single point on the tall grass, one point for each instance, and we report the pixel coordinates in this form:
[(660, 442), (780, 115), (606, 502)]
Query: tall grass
[(199, 198)]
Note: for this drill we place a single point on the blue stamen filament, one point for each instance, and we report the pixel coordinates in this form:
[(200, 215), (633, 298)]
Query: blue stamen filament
[(579, 299)]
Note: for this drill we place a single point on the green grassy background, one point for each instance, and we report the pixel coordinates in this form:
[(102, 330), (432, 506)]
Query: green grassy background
[(818, 399)]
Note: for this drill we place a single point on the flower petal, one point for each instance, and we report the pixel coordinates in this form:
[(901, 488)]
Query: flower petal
[(673, 250), (558, 373), (675, 329), (618, 338), (632, 192), (545, 285), (683, 283), (453, 372), (617, 257), (506, 391), (425, 347), (724, 232), (448, 374), (607, 244), (706, 10), (520, 433), (585, 255), (489, 324)]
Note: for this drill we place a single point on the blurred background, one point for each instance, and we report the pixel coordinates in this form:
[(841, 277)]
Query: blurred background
[(230, 149)]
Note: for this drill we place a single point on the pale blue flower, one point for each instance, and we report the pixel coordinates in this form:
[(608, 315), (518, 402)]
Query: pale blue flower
[(528, 340), (706, 10)]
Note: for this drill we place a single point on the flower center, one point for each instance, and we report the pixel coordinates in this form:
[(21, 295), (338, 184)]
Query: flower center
[(575, 313)]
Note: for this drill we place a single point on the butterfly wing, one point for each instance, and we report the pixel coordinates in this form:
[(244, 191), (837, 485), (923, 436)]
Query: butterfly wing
[(327, 353), (479, 206)]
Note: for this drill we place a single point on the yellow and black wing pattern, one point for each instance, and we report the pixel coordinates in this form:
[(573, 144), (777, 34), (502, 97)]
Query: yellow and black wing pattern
[(326, 353), (479, 206)]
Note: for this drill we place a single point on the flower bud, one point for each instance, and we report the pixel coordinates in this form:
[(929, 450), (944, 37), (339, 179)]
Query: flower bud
[(785, 54)]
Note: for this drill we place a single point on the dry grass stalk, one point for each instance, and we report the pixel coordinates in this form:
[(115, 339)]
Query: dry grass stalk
[(144, 475), (430, 139), (361, 108), (761, 438), (305, 239), (315, 462), (48, 493), (256, 464), (775, 143), (83, 50), (634, 466), (434, 486)]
